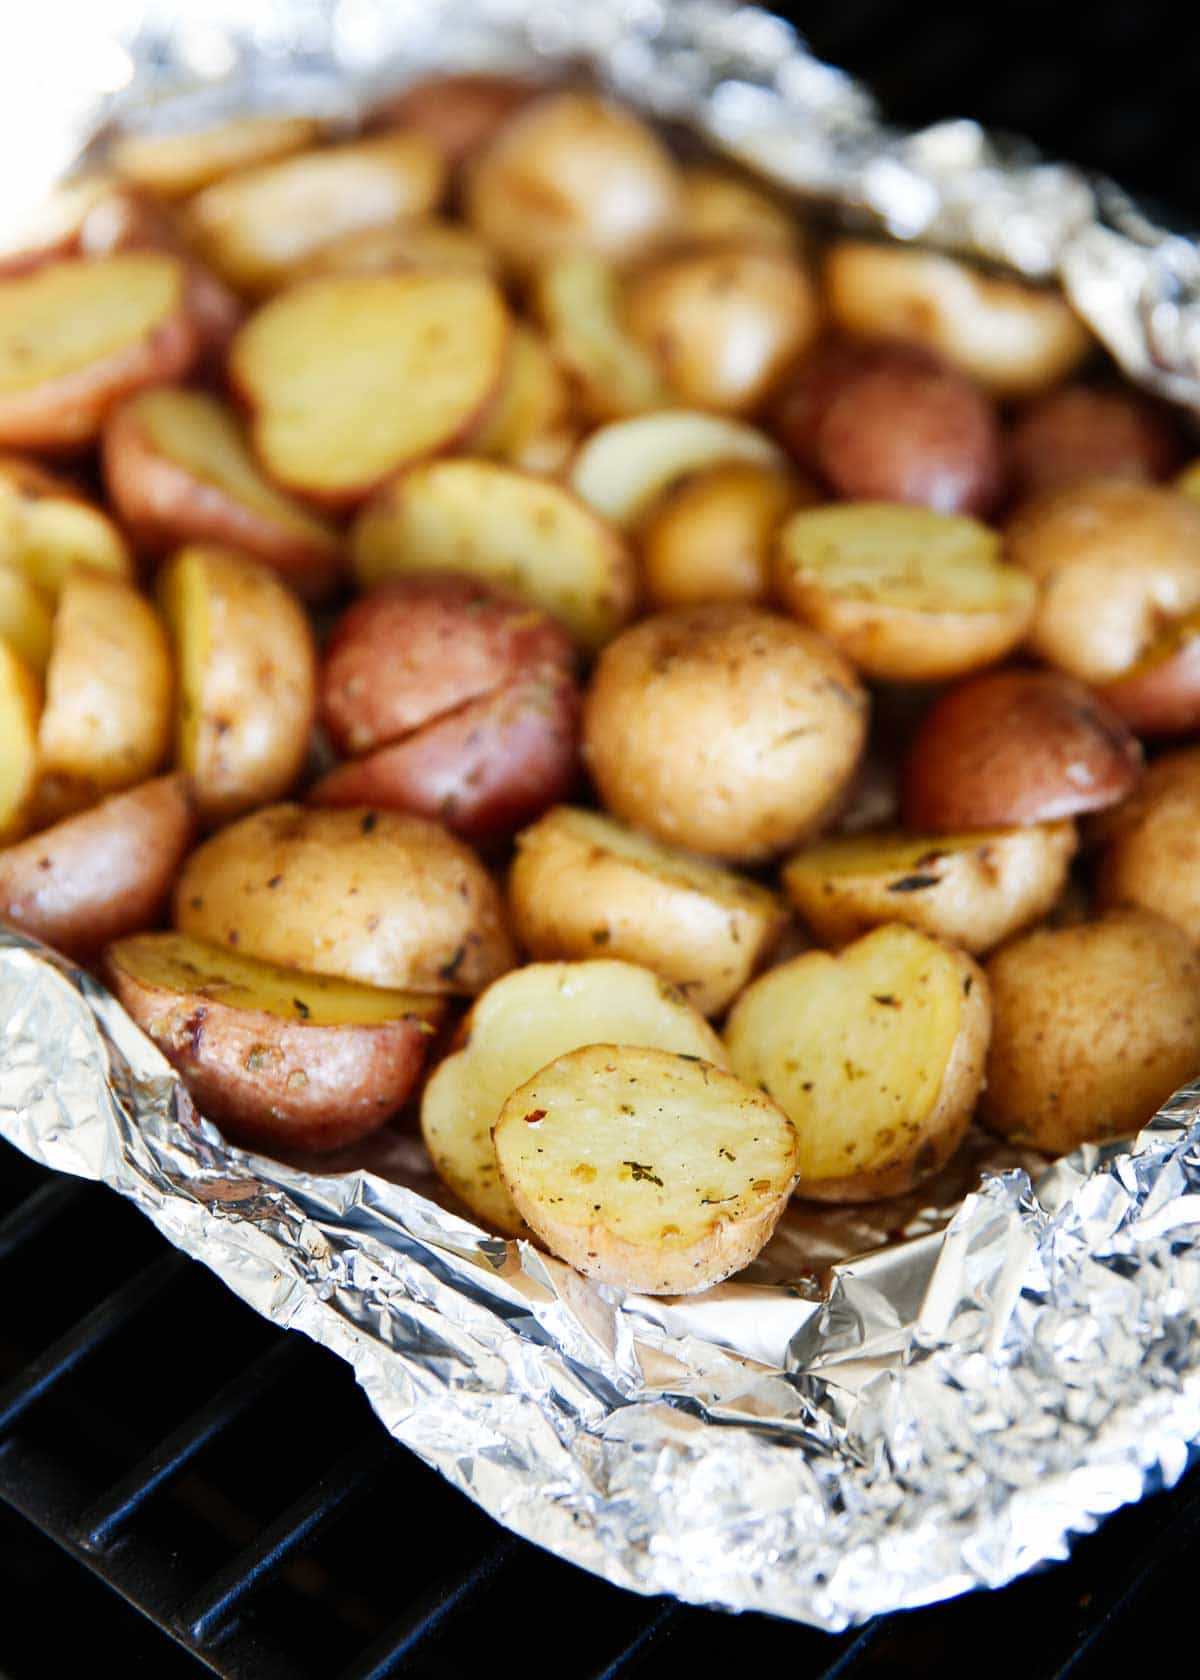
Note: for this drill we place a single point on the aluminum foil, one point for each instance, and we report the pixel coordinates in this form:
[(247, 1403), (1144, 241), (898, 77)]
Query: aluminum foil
[(885, 1409)]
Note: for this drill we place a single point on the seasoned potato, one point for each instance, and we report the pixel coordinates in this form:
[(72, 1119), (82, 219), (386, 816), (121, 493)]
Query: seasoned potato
[(723, 729), (571, 172), (1084, 431), (524, 1020), (458, 113), (1188, 482), (173, 164), (1151, 855), (256, 228), (179, 469), (971, 889), (723, 324), (427, 242), (711, 536), (647, 1170), (531, 415), (247, 679), (1014, 338), (324, 365), (1010, 748), (26, 618), (1113, 563), (101, 874), (130, 327), (1094, 1028), (376, 896), (274, 1056), (876, 1055), (582, 883), (1160, 694), (109, 694), (579, 303), (908, 595), (46, 527), (507, 528), (718, 207), (20, 708)]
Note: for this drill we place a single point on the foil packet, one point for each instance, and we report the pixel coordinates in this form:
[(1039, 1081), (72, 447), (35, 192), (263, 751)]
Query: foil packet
[(893, 1404)]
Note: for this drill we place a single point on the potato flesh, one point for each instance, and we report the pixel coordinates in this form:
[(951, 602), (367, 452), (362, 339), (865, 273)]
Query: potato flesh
[(532, 403), (624, 466), (578, 299), (673, 867), (25, 618), (68, 316), (45, 533), (428, 242), (174, 165), (20, 703)]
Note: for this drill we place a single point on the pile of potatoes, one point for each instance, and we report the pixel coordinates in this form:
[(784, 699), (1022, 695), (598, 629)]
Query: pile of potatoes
[(498, 624)]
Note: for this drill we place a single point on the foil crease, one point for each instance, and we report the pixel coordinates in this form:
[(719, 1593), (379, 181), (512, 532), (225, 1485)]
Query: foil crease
[(892, 1405)]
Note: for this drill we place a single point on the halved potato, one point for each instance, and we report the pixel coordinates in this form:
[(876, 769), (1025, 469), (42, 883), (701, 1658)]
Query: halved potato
[(75, 337), (179, 469), (353, 377), (377, 896), (582, 883), (109, 693), (908, 595), (174, 164), (257, 228), (625, 466), (647, 1170), (247, 679), (46, 527), (972, 889), (102, 874), (877, 1056), (20, 707), (718, 207), (26, 618), (532, 406), (578, 300), (524, 1020), (427, 242), (274, 1056), (507, 528)]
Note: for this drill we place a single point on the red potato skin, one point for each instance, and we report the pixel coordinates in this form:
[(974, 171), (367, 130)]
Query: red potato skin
[(484, 770), (1081, 432), (102, 874), (1015, 747), (1161, 695), (458, 113)]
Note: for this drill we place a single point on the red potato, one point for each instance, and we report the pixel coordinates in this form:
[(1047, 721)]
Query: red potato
[(1082, 431), (1015, 747), (458, 113), (1160, 695)]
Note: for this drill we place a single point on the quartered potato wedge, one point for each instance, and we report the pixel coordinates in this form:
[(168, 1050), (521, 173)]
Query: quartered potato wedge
[(46, 527), (26, 618), (529, 424), (20, 707), (175, 164), (625, 466)]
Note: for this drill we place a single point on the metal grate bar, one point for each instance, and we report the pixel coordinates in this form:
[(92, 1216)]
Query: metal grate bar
[(36, 1212), (102, 1520), (402, 1638), (115, 1311), (649, 1632)]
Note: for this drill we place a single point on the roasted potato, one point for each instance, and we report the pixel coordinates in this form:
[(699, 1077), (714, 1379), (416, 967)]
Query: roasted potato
[(1085, 431), (20, 708), (908, 595), (715, 1163), (101, 874), (247, 679), (971, 889), (1188, 482), (429, 242), (578, 300), (876, 1055), (172, 164), (1093, 1028), (1151, 855), (582, 883), (718, 207), (457, 113), (376, 896), (723, 729), (529, 424), (1160, 694), (274, 1056), (524, 1020), (1010, 748), (26, 618), (46, 527)]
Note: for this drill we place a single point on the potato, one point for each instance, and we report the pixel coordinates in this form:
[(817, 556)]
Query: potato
[(376, 896), (323, 367), (569, 173), (247, 679), (582, 883), (457, 113), (427, 242), (101, 874), (908, 595), (711, 536), (1151, 856), (803, 399), (1014, 338), (723, 324), (1160, 694), (26, 618), (46, 528), (174, 164), (129, 327), (723, 729), (650, 1171), (1010, 748), (178, 468), (971, 889), (257, 228), (718, 207), (876, 1055), (110, 691), (524, 1020), (532, 408), (624, 467), (1094, 1028), (508, 529), (1113, 562), (274, 1056), (1084, 431), (20, 708), (1188, 482), (579, 303)]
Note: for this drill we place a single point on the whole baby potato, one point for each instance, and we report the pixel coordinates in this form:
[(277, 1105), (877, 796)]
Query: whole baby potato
[(1151, 855), (724, 729), (1085, 431)]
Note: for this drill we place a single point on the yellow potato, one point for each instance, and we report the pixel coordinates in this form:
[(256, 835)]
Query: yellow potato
[(578, 301), (582, 884), (20, 706), (26, 618), (532, 406), (247, 679), (1151, 855), (46, 528), (876, 1055), (524, 1020), (426, 242), (1188, 481), (720, 208), (174, 164), (907, 594), (650, 1171)]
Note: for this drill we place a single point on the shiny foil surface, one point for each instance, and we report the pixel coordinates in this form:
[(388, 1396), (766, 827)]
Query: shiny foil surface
[(885, 1409)]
